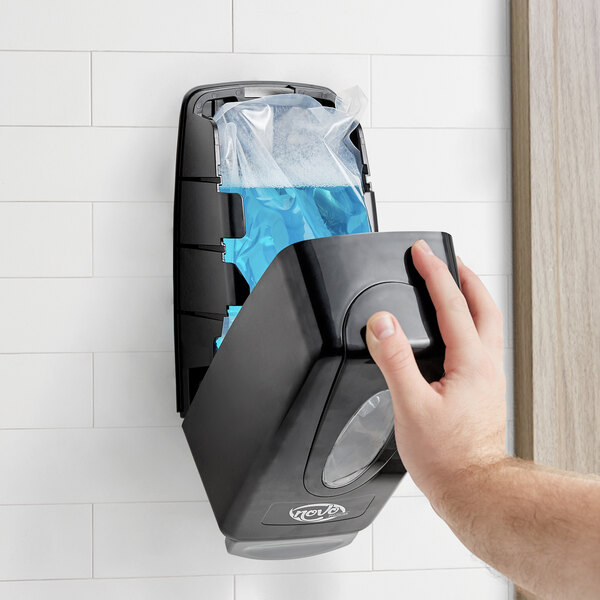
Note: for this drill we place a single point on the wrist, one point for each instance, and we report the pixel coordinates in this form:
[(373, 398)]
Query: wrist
[(458, 488)]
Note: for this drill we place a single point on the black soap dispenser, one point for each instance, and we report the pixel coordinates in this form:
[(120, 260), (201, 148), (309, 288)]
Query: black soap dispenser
[(290, 421)]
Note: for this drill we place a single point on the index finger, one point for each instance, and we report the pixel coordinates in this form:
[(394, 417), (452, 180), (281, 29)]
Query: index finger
[(454, 319)]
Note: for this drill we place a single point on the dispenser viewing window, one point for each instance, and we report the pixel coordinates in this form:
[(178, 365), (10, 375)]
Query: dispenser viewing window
[(277, 267)]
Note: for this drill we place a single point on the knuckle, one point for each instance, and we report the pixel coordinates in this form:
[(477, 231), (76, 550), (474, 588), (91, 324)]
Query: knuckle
[(399, 358)]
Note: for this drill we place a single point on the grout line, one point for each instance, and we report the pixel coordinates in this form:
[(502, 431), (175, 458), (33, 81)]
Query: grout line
[(91, 503), (373, 544), (66, 125), (232, 26), (507, 33), (109, 427), (371, 91), (313, 572), (115, 203), (446, 128), (44, 580), (234, 587), (169, 351), (92, 235), (92, 538), (255, 574), (279, 53), (509, 177), (83, 277), (91, 94), (93, 390)]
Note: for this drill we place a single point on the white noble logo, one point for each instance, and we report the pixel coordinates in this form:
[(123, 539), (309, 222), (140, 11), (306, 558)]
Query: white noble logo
[(317, 513)]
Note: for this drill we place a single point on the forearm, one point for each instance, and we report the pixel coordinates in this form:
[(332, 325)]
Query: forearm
[(539, 527)]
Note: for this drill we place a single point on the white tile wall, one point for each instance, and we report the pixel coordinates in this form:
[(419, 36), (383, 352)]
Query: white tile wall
[(134, 389), (85, 315), (44, 88), (456, 584), (470, 165), (45, 390), (155, 588), (118, 252), (46, 542), (441, 91), (48, 240), (150, 85), (375, 27), (100, 497), (48, 466), (94, 164), (126, 25), (432, 543)]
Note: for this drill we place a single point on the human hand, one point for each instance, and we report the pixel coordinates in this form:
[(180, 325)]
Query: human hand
[(459, 422)]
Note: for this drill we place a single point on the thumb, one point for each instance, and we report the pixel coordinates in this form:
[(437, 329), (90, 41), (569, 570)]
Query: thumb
[(393, 354)]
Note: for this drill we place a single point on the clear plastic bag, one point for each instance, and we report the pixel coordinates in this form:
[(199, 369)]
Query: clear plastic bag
[(294, 164), (287, 140)]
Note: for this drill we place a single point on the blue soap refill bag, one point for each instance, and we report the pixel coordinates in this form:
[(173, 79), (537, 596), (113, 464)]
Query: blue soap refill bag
[(297, 170)]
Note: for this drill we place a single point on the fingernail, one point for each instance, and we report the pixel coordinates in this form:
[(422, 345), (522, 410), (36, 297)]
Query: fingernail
[(459, 259), (382, 327), (424, 246)]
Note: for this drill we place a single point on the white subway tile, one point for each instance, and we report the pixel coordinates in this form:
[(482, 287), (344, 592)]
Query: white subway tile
[(401, 27), (181, 588), (482, 232), (45, 240), (197, 25), (438, 165), (89, 164), (86, 315), (455, 584), (133, 238), (45, 390), (178, 539), (44, 88), (151, 86), (440, 91), (47, 466), (408, 534), (134, 389), (45, 542)]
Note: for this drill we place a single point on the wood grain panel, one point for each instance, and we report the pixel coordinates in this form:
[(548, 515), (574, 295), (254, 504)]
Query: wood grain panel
[(556, 186), (555, 57)]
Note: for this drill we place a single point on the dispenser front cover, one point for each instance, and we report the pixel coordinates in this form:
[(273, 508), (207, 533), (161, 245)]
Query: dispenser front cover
[(287, 416), (292, 376)]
